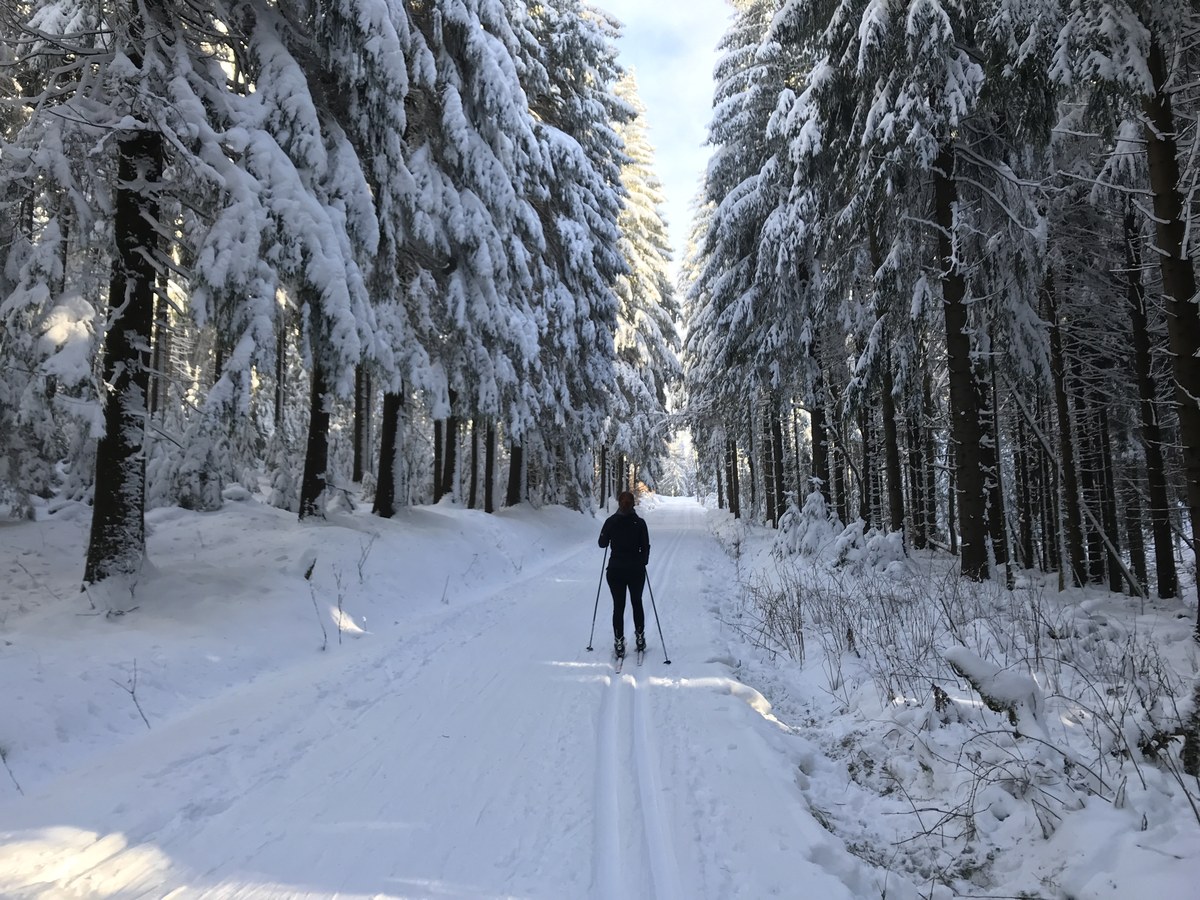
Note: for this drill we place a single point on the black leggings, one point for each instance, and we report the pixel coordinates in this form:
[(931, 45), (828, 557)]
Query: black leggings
[(635, 581)]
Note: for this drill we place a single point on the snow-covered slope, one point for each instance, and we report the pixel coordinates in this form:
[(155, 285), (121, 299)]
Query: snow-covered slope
[(458, 740)]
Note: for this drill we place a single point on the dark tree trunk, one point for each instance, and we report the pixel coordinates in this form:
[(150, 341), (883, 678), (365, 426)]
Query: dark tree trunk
[(996, 513), (731, 478), (603, 498), (1179, 277), (389, 455), (316, 459), (473, 489), (970, 425), (798, 444), (916, 485), (720, 486), (437, 460), (489, 468), (1089, 481), (450, 452), (866, 493), (841, 494), (117, 544), (930, 454), (1108, 506), (1024, 498), (1152, 438), (777, 457), (951, 494), (750, 451), (769, 468), (362, 420), (1052, 530), (516, 476), (891, 447), (162, 351), (1066, 445), (280, 366), (820, 449), (1134, 535)]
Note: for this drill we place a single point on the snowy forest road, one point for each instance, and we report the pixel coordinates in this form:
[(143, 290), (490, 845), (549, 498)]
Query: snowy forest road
[(485, 753)]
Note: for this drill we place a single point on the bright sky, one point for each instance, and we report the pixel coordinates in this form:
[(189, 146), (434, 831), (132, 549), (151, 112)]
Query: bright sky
[(671, 44)]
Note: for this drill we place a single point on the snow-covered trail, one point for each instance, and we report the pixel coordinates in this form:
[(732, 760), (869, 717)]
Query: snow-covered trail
[(483, 754)]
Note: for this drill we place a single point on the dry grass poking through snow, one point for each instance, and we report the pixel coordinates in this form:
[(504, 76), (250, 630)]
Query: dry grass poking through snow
[(990, 736)]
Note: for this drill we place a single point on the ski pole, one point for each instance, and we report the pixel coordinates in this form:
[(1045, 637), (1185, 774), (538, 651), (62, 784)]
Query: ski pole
[(595, 608), (654, 606)]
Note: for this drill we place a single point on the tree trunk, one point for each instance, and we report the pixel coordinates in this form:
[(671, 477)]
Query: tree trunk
[(930, 454), (798, 444), (389, 455), (996, 513), (489, 468), (516, 476), (450, 451), (437, 460), (1066, 445), (820, 449), (1024, 497), (162, 351), (720, 487), (1088, 457), (731, 479), (1134, 535), (117, 544), (841, 494), (362, 421), (603, 498), (1152, 439), (1108, 507), (750, 451), (1179, 277), (866, 493), (970, 424), (280, 366), (316, 459), (769, 467), (951, 493), (473, 489), (916, 485), (778, 457), (891, 447)]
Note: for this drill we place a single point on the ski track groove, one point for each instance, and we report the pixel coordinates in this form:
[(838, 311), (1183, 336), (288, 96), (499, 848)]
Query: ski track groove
[(607, 865), (663, 865)]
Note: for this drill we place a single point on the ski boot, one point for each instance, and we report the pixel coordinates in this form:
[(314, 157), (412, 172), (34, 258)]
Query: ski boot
[(640, 642), (619, 648)]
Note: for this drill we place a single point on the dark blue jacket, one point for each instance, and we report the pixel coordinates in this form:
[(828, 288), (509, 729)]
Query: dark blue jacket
[(629, 539)]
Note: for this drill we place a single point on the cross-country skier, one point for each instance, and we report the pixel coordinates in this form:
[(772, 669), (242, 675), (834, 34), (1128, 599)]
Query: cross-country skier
[(625, 531)]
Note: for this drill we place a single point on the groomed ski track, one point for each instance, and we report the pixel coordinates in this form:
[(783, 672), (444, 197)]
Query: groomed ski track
[(483, 754)]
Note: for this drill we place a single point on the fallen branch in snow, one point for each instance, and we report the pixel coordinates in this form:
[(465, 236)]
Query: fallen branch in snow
[(316, 607), (8, 768), (131, 688)]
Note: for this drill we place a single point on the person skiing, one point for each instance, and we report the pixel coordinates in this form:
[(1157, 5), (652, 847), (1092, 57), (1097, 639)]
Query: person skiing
[(625, 531)]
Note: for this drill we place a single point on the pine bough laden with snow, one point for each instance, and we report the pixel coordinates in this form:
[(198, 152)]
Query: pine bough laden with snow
[(944, 259), (232, 237)]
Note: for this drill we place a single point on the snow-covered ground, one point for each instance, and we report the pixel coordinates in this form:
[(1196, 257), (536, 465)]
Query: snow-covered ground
[(421, 718)]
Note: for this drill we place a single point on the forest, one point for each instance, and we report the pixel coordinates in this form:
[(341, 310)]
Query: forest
[(939, 284), (942, 281), (344, 249)]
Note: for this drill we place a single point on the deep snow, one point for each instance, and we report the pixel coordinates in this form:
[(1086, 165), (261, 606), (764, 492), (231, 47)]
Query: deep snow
[(454, 739)]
